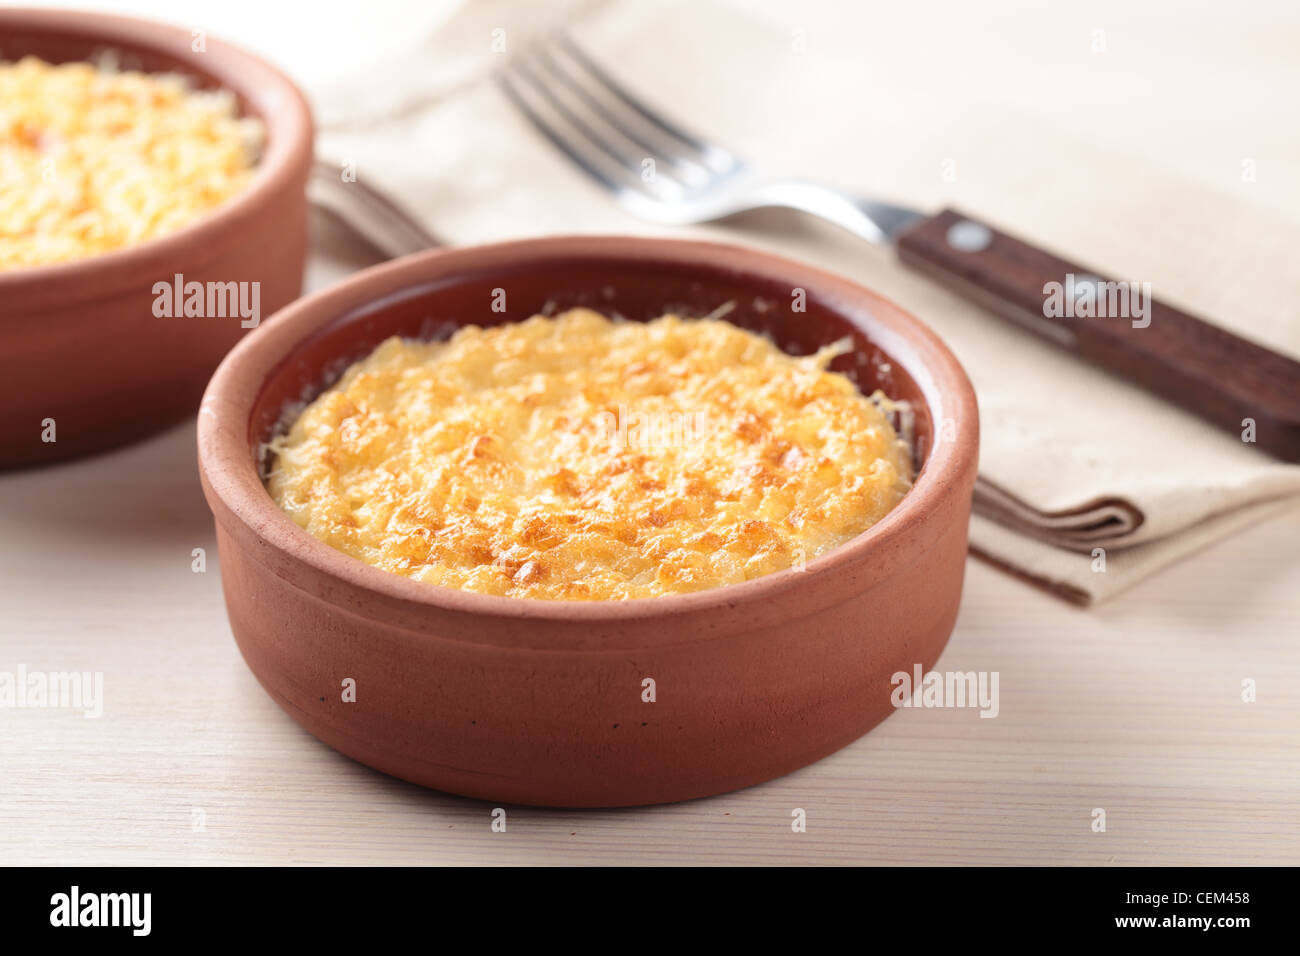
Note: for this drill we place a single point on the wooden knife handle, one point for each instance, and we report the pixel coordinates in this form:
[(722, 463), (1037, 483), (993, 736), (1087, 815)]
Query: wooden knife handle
[(1225, 379)]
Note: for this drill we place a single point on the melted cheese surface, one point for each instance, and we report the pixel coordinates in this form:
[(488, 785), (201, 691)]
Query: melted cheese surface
[(580, 458), (94, 159)]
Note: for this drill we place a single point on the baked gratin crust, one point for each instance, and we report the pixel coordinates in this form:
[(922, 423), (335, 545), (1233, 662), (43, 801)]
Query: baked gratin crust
[(94, 159), (580, 458)]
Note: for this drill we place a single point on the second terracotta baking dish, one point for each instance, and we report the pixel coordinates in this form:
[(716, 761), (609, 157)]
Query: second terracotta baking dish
[(81, 348)]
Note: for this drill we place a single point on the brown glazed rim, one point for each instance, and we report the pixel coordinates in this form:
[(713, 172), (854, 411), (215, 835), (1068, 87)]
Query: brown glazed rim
[(228, 469), (261, 88)]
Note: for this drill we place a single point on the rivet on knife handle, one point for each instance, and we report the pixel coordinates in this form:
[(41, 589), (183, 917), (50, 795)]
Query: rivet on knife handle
[(1116, 325)]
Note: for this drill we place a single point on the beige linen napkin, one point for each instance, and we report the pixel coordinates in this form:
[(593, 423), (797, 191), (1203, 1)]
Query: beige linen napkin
[(1087, 483)]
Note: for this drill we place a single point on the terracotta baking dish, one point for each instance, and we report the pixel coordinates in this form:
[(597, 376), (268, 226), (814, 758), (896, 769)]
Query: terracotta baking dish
[(79, 341), (540, 702)]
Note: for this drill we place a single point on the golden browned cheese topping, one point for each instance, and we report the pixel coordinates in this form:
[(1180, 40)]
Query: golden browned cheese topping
[(580, 458), (93, 159)]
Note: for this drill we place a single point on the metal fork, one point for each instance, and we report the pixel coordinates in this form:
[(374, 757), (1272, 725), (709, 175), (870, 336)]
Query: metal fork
[(655, 169), (371, 214), (662, 173)]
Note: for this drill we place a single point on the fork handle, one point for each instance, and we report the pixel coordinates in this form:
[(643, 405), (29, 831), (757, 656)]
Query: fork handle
[(1225, 379)]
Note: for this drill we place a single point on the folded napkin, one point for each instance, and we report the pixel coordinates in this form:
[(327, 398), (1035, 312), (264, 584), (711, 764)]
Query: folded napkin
[(1087, 483)]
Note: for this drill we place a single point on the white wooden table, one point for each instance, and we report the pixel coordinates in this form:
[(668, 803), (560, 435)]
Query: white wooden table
[(1135, 708)]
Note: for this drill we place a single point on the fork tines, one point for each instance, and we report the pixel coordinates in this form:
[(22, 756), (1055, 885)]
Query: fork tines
[(614, 137)]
